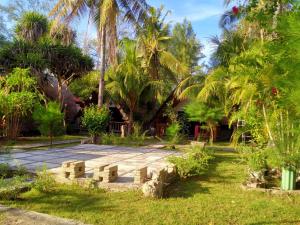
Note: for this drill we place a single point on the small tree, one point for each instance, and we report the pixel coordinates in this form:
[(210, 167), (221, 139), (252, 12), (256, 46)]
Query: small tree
[(202, 112), (17, 98), (50, 119), (96, 121)]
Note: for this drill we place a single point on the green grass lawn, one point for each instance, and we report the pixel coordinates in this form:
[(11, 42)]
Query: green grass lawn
[(216, 198)]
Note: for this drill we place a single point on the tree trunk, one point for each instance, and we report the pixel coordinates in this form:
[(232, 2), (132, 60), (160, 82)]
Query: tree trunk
[(103, 66), (130, 122), (59, 93), (211, 129)]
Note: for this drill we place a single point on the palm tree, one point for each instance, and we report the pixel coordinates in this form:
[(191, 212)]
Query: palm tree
[(126, 82), (153, 39), (106, 13), (32, 26)]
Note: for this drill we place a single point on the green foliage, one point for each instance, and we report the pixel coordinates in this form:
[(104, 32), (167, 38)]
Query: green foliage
[(195, 162), (49, 119), (44, 182), (201, 112), (137, 138), (32, 26), (285, 148), (10, 189), (173, 133), (84, 87), (5, 170), (17, 98), (96, 120), (255, 157), (185, 46)]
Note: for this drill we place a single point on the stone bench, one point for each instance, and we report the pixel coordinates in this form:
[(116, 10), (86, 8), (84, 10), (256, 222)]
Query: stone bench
[(105, 173), (140, 175), (73, 169)]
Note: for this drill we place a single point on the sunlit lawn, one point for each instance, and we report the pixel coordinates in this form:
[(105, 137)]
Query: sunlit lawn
[(216, 198)]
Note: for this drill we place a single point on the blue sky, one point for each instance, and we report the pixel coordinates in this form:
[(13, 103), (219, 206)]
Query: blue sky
[(204, 15)]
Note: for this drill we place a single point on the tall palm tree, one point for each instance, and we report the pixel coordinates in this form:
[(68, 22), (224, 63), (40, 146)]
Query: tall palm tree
[(127, 82), (106, 14), (32, 26), (153, 39)]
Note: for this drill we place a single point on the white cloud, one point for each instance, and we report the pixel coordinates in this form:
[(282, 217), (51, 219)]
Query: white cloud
[(195, 14)]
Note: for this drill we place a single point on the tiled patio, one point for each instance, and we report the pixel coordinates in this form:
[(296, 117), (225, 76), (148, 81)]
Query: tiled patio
[(127, 158)]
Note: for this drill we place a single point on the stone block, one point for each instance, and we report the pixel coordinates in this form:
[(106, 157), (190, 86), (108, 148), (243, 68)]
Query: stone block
[(105, 173), (98, 172), (73, 169), (140, 175)]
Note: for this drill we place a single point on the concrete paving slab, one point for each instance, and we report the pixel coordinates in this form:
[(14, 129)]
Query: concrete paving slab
[(128, 159), (37, 166)]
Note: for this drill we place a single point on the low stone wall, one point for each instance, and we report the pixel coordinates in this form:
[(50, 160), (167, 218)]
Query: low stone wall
[(152, 183)]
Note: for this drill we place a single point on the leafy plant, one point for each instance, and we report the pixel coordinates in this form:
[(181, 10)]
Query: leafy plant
[(96, 120), (195, 162), (173, 133), (255, 157), (17, 98), (5, 171), (285, 149), (202, 112), (10, 189), (50, 119), (44, 182), (85, 86)]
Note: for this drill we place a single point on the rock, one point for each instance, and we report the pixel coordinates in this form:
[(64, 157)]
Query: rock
[(153, 189), (159, 180)]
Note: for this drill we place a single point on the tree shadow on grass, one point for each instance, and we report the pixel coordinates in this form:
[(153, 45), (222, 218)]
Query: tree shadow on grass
[(185, 189), (215, 174), (70, 203)]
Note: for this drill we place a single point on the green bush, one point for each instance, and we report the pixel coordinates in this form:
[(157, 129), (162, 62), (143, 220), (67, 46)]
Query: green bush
[(255, 157), (193, 163), (173, 133), (50, 119), (5, 171), (44, 181), (110, 139), (10, 189), (96, 120), (131, 140)]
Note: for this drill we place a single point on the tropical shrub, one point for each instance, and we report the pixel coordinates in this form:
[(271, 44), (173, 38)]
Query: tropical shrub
[(85, 86), (254, 156), (96, 120), (10, 189), (50, 119), (173, 133), (5, 171), (32, 26), (44, 182), (203, 112), (284, 151), (17, 98), (195, 162)]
